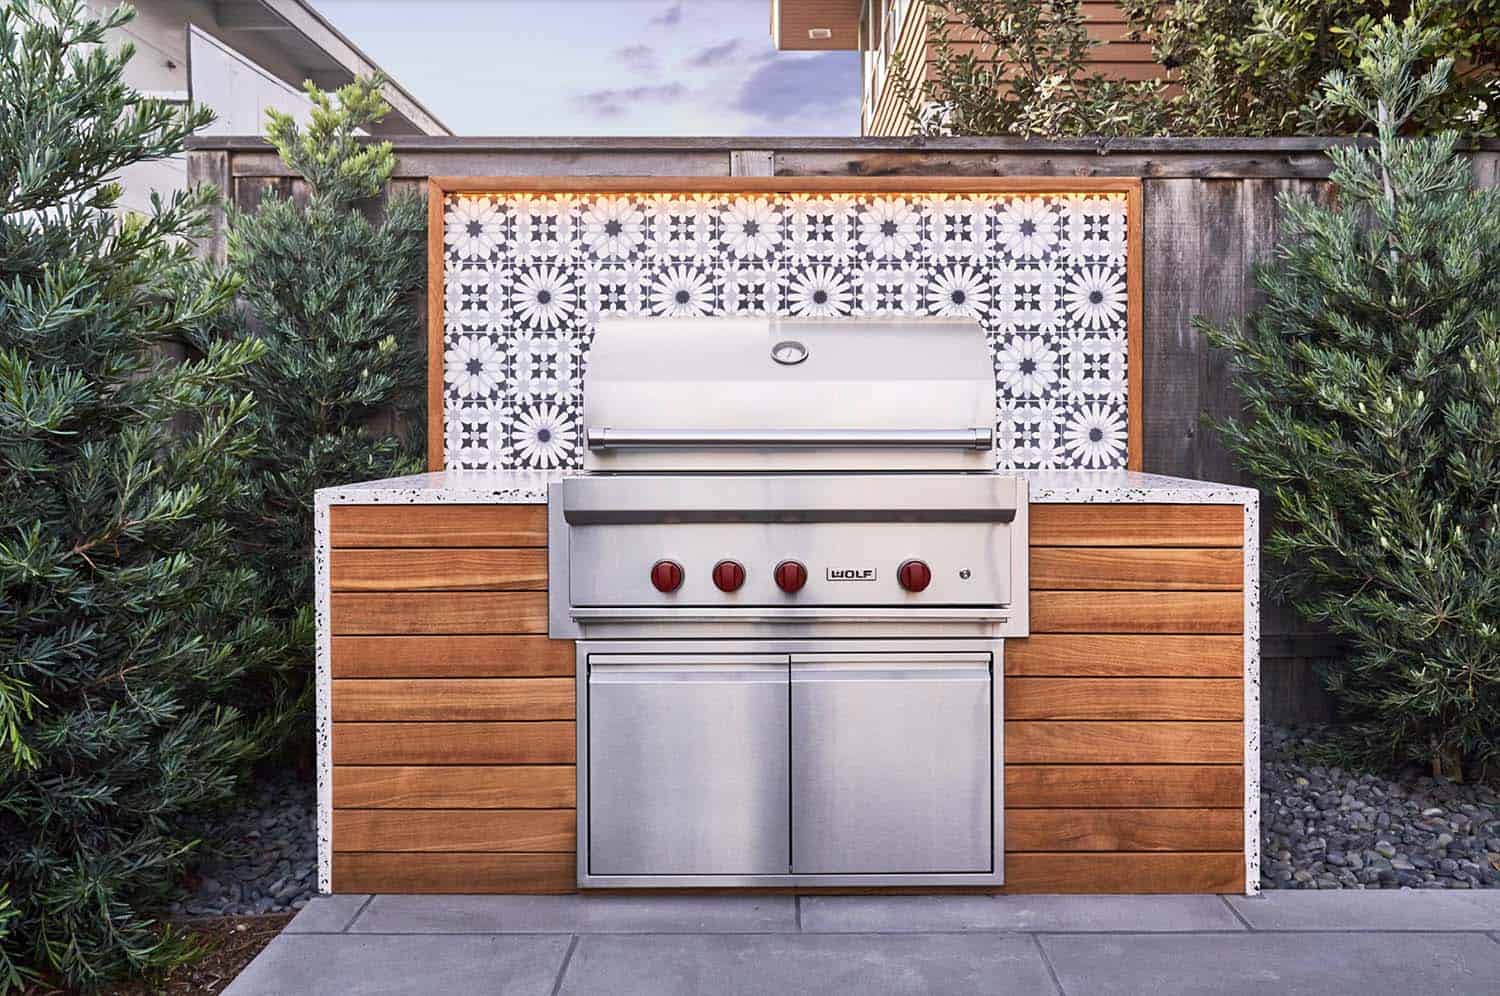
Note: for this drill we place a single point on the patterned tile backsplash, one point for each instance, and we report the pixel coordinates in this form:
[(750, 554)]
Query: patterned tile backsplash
[(528, 276)]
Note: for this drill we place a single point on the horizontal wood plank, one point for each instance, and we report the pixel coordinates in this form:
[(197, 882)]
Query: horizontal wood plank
[(466, 569), (454, 743), (400, 613), (437, 525), (436, 830), (1125, 699), (1124, 743), (1140, 873), (1122, 786), (1124, 655), (1081, 568), (1209, 612), (401, 700), (450, 657), (1137, 525), (453, 873), (1124, 830), (534, 786)]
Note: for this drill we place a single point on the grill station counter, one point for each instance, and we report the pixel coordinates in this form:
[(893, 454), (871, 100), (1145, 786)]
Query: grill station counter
[(789, 628)]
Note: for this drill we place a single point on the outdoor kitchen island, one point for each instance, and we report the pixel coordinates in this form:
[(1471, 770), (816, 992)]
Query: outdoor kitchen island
[(446, 717)]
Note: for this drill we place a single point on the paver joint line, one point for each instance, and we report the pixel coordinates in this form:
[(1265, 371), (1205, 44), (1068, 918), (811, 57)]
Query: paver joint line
[(562, 969), (1234, 912), (358, 913), (1047, 962)]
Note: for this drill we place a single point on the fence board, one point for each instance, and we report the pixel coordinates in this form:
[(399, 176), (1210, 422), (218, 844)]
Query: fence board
[(1209, 211)]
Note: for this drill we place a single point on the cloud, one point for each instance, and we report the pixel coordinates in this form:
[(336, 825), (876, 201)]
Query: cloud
[(796, 86), (614, 103), (669, 18), (640, 58), (714, 55)]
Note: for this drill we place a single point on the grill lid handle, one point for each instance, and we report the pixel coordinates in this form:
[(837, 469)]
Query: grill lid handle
[(610, 438)]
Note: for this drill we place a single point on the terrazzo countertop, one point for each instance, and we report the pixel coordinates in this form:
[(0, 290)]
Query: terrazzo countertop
[(527, 487)]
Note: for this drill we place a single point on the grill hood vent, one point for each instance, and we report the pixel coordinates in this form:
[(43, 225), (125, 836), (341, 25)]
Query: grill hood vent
[(767, 394)]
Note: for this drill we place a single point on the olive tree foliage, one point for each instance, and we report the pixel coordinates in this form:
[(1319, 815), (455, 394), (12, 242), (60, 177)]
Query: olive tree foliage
[(1228, 67), (1257, 68), (1017, 67), (1371, 383)]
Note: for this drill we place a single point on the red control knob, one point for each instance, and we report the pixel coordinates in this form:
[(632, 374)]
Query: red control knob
[(790, 576), (914, 575), (728, 575), (666, 576)]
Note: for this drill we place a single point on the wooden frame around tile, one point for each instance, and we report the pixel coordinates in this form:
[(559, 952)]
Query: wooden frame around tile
[(438, 187)]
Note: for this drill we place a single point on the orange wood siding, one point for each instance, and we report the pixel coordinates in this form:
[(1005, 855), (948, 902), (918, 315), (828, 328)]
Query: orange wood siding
[(1117, 58), (454, 740)]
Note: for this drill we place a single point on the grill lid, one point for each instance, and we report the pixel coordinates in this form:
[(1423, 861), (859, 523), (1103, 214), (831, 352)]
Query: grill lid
[(789, 394)]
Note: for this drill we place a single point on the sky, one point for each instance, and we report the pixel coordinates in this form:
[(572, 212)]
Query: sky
[(603, 67)]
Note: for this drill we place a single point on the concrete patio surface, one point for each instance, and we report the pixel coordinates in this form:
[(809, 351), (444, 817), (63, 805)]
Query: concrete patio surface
[(1317, 943)]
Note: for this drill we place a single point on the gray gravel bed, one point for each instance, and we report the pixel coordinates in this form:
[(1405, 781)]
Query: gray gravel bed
[(1328, 828), (259, 858)]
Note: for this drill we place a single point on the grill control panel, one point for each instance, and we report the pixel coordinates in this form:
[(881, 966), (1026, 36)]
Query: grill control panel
[(751, 564)]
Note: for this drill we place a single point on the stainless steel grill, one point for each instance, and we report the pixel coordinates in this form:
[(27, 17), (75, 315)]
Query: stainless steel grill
[(789, 566)]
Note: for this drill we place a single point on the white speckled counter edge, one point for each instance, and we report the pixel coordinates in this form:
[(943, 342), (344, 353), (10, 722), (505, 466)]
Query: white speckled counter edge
[(1106, 487)]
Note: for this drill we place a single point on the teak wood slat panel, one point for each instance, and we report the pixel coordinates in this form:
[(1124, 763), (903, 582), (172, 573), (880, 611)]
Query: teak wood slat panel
[(456, 873), (534, 786), (1124, 830), (1125, 786), (450, 657), (455, 743), (1123, 743), (437, 830), (1124, 699), (1208, 612), (400, 613), (1137, 568), (402, 700), (1137, 525), (1141, 873), (460, 569), (1100, 655), (437, 525)]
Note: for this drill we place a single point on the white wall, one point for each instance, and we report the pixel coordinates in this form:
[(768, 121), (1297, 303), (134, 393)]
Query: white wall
[(175, 57), (238, 90)]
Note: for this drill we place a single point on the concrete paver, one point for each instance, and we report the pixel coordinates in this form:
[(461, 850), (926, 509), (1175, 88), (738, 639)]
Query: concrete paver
[(326, 914), (1369, 909), (1322, 943), (1254, 964), (754, 965), (296, 964), (964, 913), (578, 913)]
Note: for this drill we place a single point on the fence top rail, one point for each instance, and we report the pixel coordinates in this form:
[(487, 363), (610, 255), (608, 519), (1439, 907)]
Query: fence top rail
[(1099, 146)]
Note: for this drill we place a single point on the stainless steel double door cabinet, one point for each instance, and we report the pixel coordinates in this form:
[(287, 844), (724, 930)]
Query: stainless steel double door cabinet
[(723, 766)]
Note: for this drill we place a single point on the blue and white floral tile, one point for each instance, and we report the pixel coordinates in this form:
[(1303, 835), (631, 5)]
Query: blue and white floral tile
[(528, 277), (544, 434)]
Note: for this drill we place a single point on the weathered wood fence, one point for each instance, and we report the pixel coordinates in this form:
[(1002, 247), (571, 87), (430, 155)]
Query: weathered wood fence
[(1210, 211)]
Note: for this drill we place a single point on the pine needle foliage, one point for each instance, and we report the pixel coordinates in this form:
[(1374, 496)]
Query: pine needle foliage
[(330, 284), (127, 624), (1371, 380)]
